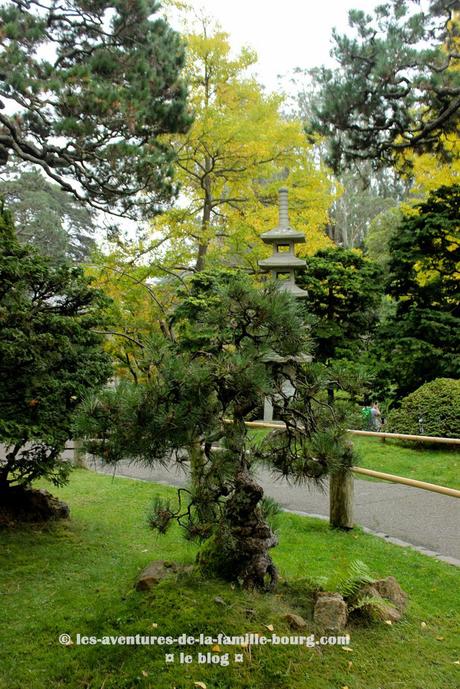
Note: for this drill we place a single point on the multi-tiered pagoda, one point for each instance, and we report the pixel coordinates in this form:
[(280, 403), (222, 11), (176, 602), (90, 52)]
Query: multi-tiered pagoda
[(283, 263)]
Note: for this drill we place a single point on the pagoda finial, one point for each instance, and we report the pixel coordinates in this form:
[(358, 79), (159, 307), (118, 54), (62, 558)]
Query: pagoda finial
[(283, 208)]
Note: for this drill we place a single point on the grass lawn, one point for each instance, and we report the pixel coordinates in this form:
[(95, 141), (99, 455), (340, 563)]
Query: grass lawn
[(77, 577), (439, 465)]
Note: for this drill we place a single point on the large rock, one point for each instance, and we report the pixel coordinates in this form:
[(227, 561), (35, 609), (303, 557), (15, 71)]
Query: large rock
[(390, 589), (295, 621), (19, 504), (158, 570), (47, 506), (330, 611), (391, 595)]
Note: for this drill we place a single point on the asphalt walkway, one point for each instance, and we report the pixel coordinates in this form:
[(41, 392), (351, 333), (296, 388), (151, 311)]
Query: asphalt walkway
[(401, 514)]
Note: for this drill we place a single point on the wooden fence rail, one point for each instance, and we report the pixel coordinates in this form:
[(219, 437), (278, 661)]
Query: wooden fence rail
[(376, 434), (407, 481), (407, 436)]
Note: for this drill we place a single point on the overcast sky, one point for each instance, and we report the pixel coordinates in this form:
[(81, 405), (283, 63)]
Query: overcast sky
[(285, 33)]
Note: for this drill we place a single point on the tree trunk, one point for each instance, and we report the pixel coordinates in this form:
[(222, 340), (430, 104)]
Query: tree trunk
[(341, 499), (204, 503), (201, 258), (206, 217), (238, 549)]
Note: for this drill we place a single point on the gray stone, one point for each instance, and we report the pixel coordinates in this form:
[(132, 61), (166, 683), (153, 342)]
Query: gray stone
[(330, 611), (155, 572), (390, 590), (385, 611), (295, 621), (391, 595)]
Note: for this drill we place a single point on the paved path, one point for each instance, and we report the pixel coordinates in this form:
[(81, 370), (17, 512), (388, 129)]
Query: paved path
[(429, 521)]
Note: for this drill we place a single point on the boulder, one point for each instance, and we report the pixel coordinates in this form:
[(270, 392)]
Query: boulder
[(381, 608), (394, 599), (46, 506), (158, 570), (295, 621), (330, 611), (390, 589), (22, 504), (155, 572)]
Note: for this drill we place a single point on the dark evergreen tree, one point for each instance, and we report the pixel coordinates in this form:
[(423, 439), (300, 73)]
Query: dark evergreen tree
[(204, 382), (397, 86), (91, 113), (421, 340), (47, 217), (49, 358), (345, 291)]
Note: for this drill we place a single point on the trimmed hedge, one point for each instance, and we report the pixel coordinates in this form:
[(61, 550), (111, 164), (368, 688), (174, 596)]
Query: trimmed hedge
[(433, 409)]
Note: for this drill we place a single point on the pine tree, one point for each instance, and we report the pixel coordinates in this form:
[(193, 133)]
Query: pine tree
[(396, 87), (91, 112), (47, 217), (204, 382)]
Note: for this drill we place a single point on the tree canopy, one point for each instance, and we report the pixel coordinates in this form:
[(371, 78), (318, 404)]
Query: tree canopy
[(86, 90), (397, 87), (344, 293), (47, 217)]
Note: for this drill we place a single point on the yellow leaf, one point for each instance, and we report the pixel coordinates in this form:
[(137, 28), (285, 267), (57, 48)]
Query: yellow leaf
[(144, 673), (347, 649), (423, 625), (202, 685), (215, 648), (440, 638), (270, 627), (154, 625), (388, 622), (350, 664)]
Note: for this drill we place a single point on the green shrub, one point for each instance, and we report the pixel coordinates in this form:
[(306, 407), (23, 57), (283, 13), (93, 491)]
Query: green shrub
[(433, 409)]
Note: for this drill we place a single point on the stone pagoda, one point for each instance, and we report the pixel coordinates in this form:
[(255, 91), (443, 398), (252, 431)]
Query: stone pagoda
[(282, 264)]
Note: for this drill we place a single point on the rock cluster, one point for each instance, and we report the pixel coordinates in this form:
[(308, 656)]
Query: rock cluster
[(331, 611)]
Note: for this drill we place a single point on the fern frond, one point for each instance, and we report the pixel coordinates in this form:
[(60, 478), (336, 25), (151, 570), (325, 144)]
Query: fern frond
[(356, 576)]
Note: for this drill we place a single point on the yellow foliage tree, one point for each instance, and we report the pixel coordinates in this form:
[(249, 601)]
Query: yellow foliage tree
[(141, 297), (230, 164)]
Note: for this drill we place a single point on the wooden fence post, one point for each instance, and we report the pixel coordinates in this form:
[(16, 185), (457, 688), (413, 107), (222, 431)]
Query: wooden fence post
[(341, 499)]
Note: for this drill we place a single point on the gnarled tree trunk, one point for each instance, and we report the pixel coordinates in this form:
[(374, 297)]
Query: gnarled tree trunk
[(238, 549)]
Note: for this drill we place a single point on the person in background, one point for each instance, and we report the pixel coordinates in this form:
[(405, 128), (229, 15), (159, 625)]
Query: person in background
[(376, 417)]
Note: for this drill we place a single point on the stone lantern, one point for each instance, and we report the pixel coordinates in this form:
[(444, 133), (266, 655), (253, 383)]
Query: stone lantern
[(282, 264)]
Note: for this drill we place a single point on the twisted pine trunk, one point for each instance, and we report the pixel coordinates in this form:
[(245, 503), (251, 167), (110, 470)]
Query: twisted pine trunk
[(238, 550)]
